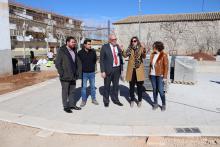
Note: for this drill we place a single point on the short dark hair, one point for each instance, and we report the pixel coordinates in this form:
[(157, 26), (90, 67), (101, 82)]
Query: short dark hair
[(86, 41), (158, 45), (70, 38)]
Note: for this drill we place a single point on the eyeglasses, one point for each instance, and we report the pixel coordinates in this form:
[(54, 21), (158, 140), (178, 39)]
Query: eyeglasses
[(134, 40), (114, 39)]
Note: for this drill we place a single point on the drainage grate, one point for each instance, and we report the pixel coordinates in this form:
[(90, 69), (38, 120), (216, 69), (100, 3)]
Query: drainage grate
[(187, 130)]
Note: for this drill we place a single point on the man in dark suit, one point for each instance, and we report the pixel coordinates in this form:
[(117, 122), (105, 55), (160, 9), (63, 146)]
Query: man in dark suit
[(111, 65), (66, 64)]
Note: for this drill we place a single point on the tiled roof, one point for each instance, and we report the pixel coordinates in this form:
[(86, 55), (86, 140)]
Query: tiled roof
[(170, 18)]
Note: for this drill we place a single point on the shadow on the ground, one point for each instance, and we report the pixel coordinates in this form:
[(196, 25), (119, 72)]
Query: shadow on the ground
[(218, 82), (195, 107), (78, 96), (122, 89), (147, 98), (124, 92)]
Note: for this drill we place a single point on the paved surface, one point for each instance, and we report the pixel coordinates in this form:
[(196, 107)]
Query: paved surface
[(187, 107)]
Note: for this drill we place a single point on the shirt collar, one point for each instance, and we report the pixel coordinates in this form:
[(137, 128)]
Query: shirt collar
[(69, 49), (112, 45)]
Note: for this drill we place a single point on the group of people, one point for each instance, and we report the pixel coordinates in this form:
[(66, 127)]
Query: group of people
[(72, 64)]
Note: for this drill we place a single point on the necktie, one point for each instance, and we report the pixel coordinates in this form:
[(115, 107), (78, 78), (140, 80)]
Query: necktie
[(115, 56)]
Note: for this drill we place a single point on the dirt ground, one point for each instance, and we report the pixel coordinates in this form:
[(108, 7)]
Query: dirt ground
[(203, 56), (14, 82), (13, 135)]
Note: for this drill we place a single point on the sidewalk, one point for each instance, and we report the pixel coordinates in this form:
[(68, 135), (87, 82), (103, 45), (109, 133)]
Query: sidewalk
[(188, 106)]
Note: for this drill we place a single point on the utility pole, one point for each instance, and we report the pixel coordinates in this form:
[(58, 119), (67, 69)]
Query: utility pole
[(139, 19), (24, 27), (47, 39), (23, 34), (49, 29), (203, 3), (109, 28)]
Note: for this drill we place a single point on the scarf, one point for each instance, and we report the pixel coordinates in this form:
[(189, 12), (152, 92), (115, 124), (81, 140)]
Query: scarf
[(137, 55)]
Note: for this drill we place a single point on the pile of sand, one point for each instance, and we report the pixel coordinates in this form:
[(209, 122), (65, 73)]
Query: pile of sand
[(203, 56)]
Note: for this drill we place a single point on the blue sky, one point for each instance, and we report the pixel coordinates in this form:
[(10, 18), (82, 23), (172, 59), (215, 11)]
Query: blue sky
[(99, 11)]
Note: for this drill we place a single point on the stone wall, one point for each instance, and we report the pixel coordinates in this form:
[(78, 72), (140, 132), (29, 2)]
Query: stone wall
[(184, 37)]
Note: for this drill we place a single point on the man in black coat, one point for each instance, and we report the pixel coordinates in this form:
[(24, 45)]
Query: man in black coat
[(88, 60), (111, 65), (67, 66)]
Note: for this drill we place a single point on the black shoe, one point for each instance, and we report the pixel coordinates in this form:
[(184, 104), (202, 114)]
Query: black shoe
[(119, 103), (106, 104), (76, 108), (67, 110)]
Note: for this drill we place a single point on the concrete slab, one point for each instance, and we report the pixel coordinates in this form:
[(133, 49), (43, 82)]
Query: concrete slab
[(187, 107)]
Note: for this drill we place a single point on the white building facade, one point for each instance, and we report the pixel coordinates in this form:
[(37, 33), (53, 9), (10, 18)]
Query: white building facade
[(5, 47)]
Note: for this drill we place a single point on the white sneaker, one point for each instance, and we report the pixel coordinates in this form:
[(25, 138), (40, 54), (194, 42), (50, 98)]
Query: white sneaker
[(163, 108), (83, 103), (94, 101), (139, 104), (155, 106)]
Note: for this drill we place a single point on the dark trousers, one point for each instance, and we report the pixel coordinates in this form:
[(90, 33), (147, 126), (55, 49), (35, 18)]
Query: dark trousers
[(114, 78), (172, 73), (158, 86), (132, 84), (68, 90), (50, 59)]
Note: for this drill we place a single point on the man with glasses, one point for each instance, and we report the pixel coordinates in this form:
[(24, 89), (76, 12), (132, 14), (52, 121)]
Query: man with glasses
[(111, 65), (88, 59)]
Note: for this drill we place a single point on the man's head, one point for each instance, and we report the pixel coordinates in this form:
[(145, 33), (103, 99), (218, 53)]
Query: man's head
[(71, 42), (87, 44), (112, 39)]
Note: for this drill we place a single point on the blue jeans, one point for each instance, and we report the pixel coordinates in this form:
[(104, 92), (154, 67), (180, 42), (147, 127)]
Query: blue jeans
[(91, 78), (158, 86)]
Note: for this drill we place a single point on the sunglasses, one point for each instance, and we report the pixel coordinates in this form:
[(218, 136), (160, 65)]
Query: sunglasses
[(134, 40)]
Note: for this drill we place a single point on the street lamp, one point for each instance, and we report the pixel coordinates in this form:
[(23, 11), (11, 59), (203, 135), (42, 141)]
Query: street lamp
[(24, 27), (49, 29), (203, 3)]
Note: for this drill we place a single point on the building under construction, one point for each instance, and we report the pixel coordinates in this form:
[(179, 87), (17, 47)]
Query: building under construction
[(38, 30)]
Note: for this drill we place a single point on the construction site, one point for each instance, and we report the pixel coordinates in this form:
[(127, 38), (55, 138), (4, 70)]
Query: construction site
[(30, 92)]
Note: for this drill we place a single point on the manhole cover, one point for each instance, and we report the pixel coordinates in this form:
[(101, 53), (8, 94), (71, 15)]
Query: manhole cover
[(187, 130)]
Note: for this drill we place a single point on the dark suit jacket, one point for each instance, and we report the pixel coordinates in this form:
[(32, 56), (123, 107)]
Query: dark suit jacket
[(67, 69), (106, 58)]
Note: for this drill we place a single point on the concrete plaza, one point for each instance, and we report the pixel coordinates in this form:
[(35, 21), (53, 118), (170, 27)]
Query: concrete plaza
[(188, 106)]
